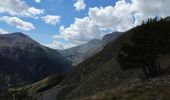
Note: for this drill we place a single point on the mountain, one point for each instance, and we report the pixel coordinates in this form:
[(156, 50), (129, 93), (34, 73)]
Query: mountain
[(80, 53), (100, 77), (24, 61)]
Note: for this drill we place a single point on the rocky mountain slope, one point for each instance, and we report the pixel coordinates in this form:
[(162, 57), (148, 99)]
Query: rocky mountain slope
[(24, 61), (80, 53), (101, 77)]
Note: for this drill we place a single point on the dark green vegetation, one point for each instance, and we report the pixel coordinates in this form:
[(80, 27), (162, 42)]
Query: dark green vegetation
[(147, 43), (24, 61), (26, 92)]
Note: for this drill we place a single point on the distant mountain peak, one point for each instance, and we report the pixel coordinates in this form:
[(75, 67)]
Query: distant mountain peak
[(80, 53), (24, 60), (15, 35), (94, 41), (18, 34), (111, 36), (17, 38)]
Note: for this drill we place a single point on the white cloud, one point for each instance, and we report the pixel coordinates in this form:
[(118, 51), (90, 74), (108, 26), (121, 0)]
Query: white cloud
[(99, 21), (80, 32), (152, 7), (79, 5), (51, 19), (120, 17), (117, 18), (37, 1), (59, 45), (19, 8), (18, 23), (3, 31), (33, 11)]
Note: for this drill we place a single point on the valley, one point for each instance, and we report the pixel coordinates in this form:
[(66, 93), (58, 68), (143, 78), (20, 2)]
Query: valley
[(103, 77)]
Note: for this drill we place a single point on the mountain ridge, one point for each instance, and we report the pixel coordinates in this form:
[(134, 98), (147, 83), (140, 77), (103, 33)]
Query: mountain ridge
[(101, 77), (24, 60), (80, 53)]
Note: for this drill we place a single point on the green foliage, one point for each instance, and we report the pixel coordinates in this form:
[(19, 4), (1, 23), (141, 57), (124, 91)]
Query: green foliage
[(53, 81), (27, 92), (147, 42)]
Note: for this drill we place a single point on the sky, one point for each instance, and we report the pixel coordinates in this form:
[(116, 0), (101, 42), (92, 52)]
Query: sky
[(61, 24)]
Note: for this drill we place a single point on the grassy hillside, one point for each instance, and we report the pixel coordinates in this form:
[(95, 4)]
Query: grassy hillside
[(27, 92), (101, 72), (150, 89)]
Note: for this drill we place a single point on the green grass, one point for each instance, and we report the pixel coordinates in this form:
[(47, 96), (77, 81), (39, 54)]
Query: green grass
[(147, 90), (29, 90)]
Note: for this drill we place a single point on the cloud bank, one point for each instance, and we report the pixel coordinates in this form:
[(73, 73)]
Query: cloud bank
[(119, 17), (18, 23), (19, 8)]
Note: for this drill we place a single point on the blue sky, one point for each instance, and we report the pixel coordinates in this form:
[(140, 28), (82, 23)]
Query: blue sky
[(63, 8), (43, 32), (61, 24)]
